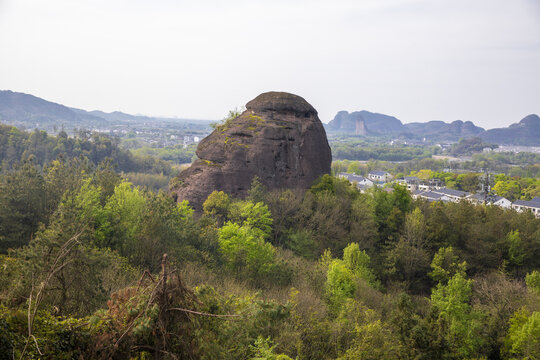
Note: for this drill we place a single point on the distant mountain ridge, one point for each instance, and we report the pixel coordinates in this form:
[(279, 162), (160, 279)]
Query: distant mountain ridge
[(439, 129), (29, 111), (526, 132)]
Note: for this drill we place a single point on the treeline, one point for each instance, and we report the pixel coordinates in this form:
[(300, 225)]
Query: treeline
[(178, 154), (468, 146), (17, 145), (355, 149), (414, 157), (328, 273)]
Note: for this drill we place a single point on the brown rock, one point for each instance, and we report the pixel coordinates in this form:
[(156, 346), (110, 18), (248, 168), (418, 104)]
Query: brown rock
[(279, 138)]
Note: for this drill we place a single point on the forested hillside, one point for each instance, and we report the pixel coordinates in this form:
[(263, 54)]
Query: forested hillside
[(18, 145), (324, 274)]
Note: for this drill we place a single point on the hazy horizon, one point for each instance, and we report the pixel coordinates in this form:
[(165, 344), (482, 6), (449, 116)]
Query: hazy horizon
[(417, 60)]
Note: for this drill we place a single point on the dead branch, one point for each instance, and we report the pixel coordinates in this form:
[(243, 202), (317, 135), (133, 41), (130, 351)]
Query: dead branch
[(205, 314)]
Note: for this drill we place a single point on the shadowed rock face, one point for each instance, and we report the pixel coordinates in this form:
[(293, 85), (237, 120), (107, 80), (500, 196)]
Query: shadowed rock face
[(279, 138)]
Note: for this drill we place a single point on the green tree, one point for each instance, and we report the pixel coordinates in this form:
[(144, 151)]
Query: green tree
[(23, 205), (343, 275), (258, 191), (515, 248), (445, 265), (244, 248), (256, 216), (217, 206), (533, 282), (452, 303), (523, 338), (408, 261)]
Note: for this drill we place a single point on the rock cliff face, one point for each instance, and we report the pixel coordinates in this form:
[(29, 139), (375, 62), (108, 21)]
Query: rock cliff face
[(279, 138)]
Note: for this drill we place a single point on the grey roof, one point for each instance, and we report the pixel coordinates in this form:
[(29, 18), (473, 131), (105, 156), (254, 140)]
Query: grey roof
[(494, 198), (430, 196), (478, 196), (527, 203), (352, 177), (410, 179), (377, 172), (536, 199), (451, 192)]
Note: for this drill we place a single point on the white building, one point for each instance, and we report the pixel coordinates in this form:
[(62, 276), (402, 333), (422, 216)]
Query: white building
[(412, 182), (359, 180), (379, 176), (430, 196), (453, 195), (493, 200), (523, 205)]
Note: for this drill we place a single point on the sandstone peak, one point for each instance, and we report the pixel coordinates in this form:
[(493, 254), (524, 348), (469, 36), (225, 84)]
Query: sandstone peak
[(279, 138)]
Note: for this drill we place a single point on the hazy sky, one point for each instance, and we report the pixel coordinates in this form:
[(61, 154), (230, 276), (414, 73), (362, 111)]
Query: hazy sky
[(418, 60)]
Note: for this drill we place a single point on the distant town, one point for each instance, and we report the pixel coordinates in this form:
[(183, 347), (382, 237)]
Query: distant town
[(432, 190)]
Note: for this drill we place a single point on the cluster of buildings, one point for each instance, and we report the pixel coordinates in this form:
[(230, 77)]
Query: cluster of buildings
[(433, 190)]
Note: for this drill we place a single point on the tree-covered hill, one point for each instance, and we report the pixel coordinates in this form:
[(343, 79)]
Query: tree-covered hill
[(329, 273), (18, 145)]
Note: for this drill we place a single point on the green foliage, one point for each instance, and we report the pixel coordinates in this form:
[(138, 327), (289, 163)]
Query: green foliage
[(217, 205), (258, 191), (408, 261), (256, 216), (264, 350), (17, 146), (244, 249), (343, 275), (372, 341), (451, 302), (514, 188), (219, 339), (445, 265), (90, 235), (470, 145), (123, 212), (523, 340), (224, 124), (154, 182), (23, 205), (335, 213), (177, 154), (358, 261), (515, 248), (55, 338), (533, 282), (355, 149), (340, 284)]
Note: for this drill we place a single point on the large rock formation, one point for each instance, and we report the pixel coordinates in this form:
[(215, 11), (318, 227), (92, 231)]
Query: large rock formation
[(375, 124), (279, 138)]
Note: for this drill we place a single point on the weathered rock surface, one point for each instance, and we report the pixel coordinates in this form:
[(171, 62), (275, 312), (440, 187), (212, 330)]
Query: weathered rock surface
[(279, 138)]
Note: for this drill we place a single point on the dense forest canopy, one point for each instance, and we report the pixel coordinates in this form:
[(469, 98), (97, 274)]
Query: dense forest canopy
[(327, 273), (17, 145)]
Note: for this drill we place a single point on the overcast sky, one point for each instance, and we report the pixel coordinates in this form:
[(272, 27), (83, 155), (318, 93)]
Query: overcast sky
[(418, 60)]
